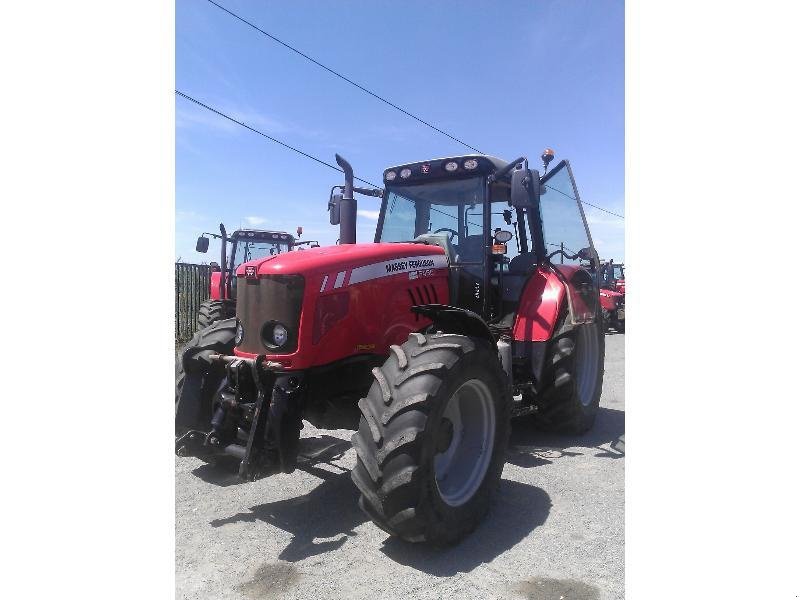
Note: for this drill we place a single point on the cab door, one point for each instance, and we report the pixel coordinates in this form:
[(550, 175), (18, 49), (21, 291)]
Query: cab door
[(565, 228)]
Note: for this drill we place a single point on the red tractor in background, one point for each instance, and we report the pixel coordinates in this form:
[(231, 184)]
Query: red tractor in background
[(612, 294), (426, 342), (246, 245)]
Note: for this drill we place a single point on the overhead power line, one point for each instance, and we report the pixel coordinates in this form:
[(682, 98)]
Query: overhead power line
[(340, 76), (269, 137), (584, 202), (319, 160)]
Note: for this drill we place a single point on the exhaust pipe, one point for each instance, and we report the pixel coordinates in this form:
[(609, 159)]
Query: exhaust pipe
[(223, 263), (347, 206)]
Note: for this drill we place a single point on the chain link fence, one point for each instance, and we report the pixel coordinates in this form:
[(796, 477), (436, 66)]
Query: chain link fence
[(191, 288)]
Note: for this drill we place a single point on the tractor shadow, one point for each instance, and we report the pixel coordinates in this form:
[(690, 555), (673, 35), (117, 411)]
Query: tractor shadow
[(223, 471), (517, 510), (330, 510), (530, 447), (322, 520)]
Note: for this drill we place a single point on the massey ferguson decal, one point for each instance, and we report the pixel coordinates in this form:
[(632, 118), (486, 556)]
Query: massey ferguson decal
[(250, 272), (402, 266), (393, 267)]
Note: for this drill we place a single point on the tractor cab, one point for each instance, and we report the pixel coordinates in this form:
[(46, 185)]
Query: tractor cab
[(496, 221), (246, 245)]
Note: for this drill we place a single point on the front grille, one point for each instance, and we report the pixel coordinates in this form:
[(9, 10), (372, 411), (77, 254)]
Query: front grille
[(268, 299)]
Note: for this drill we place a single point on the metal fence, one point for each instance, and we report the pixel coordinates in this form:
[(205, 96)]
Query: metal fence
[(191, 288)]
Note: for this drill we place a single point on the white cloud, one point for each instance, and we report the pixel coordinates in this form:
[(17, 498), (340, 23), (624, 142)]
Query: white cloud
[(196, 117), (369, 214), (255, 220)]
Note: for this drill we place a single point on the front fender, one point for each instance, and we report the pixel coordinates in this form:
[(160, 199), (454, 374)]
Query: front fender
[(452, 319)]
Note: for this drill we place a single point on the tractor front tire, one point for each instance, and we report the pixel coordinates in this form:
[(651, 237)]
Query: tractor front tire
[(432, 438), (197, 379), (573, 377), (212, 311)]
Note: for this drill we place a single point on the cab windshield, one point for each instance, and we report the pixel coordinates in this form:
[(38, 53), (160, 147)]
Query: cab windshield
[(251, 250), (450, 208)]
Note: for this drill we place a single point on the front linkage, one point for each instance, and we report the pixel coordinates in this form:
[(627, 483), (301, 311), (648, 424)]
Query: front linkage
[(255, 414)]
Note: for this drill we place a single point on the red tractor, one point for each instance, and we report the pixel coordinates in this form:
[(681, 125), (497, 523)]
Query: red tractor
[(426, 342), (246, 245), (612, 294)]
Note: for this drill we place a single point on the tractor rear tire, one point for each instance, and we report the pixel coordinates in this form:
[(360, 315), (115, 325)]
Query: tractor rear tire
[(432, 438), (197, 379), (573, 377), (212, 311)]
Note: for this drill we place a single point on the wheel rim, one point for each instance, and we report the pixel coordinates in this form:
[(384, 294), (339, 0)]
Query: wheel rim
[(461, 465), (587, 363)]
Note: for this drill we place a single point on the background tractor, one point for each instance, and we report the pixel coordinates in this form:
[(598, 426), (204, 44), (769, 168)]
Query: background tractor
[(426, 342), (246, 245), (611, 276)]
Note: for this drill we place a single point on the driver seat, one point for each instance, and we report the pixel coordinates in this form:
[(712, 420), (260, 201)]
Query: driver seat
[(519, 270)]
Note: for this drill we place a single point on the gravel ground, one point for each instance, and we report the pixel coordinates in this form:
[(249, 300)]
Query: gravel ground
[(555, 531)]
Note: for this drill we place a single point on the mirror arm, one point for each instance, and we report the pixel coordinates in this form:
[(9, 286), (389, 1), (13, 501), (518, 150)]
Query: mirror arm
[(374, 192), (497, 175)]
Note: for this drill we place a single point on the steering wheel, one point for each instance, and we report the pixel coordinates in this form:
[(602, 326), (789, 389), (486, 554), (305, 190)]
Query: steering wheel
[(452, 232)]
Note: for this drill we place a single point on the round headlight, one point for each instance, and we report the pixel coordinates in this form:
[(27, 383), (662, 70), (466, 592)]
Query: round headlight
[(471, 163), (405, 173), (237, 339), (279, 335), (451, 166), (390, 175)]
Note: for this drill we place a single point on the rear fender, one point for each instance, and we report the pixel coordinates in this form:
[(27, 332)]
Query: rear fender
[(583, 294), (541, 301), (543, 297)]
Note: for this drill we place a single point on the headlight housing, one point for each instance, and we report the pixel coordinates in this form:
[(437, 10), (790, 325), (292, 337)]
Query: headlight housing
[(274, 335)]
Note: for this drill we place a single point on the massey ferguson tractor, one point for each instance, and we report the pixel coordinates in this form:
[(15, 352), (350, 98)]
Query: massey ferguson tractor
[(612, 294), (246, 245), (426, 342)]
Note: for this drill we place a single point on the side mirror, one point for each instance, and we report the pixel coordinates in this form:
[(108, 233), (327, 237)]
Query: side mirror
[(333, 208), (213, 267), (525, 188), (502, 236), (585, 254), (202, 244), (299, 230)]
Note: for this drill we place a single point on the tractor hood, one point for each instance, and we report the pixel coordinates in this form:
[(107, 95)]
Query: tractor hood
[(320, 296), (348, 263)]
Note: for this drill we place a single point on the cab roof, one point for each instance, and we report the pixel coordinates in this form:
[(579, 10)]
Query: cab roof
[(435, 169)]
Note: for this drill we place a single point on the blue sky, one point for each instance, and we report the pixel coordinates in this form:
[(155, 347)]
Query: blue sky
[(508, 78)]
